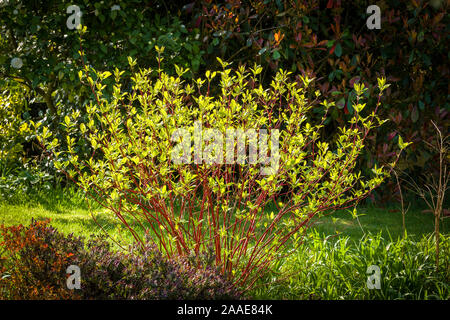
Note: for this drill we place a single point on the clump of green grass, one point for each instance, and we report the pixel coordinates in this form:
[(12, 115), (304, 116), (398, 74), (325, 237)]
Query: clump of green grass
[(337, 269)]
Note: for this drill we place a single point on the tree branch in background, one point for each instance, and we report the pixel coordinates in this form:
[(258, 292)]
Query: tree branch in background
[(435, 185)]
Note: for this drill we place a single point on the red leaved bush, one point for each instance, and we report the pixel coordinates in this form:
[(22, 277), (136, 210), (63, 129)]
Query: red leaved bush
[(35, 259), (35, 262)]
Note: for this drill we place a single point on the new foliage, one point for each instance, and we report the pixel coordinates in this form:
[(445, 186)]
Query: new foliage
[(243, 216)]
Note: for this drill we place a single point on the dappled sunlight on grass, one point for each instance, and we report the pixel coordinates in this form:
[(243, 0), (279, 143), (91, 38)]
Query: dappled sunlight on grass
[(374, 220)]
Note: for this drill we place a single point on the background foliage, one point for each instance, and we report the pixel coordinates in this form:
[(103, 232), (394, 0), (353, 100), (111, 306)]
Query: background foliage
[(327, 40)]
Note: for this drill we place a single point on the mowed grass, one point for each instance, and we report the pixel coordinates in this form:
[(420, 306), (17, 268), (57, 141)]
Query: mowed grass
[(71, 220), (68, 212), (373, 220)]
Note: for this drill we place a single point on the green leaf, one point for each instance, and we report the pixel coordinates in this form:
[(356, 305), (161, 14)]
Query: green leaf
[(421, 105), (330, 43), (67, 120), (338, 50), (276, 55), (341, 103), (400, 142)]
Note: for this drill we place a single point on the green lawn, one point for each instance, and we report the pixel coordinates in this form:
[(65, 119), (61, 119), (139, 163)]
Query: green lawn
[(73, 215), (373, 220), (78, 221)]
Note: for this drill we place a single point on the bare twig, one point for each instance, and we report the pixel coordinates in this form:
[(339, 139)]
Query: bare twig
[(435, 185)]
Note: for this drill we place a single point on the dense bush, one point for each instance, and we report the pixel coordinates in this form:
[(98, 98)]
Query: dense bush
[(19, 183), (337, 269), (13, 129), (48, 48), (135, 138), (35, 258), (21, 169)]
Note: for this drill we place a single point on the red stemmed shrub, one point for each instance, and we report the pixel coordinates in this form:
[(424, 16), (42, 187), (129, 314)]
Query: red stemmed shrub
[(245, 208)]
